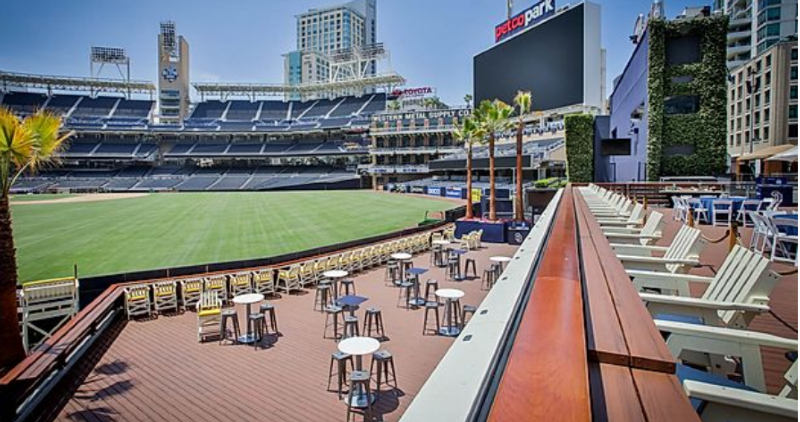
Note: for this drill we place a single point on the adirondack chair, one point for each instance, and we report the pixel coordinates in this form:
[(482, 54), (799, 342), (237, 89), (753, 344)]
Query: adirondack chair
[(264, 281), (289, 278), (635, 219), (737, 294), (679, 257), (306, 273), (722, 403), (191, 290), (620, 206), (217, 284), (209, 309), (649, 234), (694, 340), (137, 300), (240, 283), (165, 296)]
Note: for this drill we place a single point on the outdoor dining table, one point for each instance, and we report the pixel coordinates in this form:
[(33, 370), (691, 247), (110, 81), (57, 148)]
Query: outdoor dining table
[(708, 203), (351, 302), (248, 300), (449, 295), (501, 260), (417, 300), (401, 258), (444, 244), (335, 276), (458, 253), (358, 347)]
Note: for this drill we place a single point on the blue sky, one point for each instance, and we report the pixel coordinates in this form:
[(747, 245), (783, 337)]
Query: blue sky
[(432, 42)]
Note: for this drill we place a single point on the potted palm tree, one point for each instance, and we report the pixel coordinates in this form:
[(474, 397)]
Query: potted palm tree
[(523, 103), (494, 117), (25, 146), (467, 132)]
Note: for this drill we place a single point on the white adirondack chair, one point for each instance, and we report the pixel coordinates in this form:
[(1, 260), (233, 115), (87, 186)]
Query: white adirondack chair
[(635, 219), (679, 257), (737, 294), (649, 234), (716, 343), (723, 404)]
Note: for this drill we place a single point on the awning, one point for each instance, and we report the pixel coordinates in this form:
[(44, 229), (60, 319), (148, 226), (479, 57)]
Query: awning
[(789, 155), (766, 152)]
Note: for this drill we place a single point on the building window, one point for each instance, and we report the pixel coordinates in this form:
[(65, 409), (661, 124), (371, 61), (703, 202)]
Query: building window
[(793, 130), (765, 133), (766, 115), (793, 112), (793, 73), (793, 92), (682, 104), (769, 60), (794, 54), (767, 79)]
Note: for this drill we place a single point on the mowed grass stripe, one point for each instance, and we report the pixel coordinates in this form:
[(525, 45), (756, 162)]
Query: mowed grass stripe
[(169, 230)]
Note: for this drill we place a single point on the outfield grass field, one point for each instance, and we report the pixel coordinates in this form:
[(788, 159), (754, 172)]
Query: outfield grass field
[(39, 197), (168, 230)]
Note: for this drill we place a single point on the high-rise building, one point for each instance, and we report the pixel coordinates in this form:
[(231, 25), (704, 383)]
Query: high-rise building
[(173, 75), (755, 25), (326, 31)]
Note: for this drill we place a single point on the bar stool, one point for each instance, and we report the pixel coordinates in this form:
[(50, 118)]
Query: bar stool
[(405, 293), (392, 271), (383, 365), (373, 319), (498, 271), (332, 313), (259, 325), (431, 286), (488, 278), (229, 315), (268, 308), (436, 255), (350, 326), (470, 262), (322, 297), (359, 378), (467, 309), (431, 306), (453, 267), (340, 360), (345, 286)]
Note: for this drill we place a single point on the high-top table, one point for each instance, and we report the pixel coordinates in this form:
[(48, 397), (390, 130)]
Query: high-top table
[(443, 244), (248, 300), (351, 302), (401, 258), (417, 300), (502, 260), (459, 253), (449, 295), (358, 347), (335, 276)]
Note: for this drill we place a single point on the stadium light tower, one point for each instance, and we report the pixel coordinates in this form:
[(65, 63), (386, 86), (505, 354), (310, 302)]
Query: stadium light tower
[(101, 56)]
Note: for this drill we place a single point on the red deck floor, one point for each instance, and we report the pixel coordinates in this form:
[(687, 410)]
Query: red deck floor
[(156, 369)]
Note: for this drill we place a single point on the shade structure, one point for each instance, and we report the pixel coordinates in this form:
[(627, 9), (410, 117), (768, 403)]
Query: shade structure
[(789, 155)]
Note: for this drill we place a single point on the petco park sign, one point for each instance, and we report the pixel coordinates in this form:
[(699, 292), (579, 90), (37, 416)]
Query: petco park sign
[(524, 19)]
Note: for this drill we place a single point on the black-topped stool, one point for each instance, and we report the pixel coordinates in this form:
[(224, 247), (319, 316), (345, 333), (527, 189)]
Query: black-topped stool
[(359, 382), (351, 326), (431, 306), (259, 325), (229, 316), (340, 360), (467, 310), (382, 368), (431, 286), (373, 320), (268, 309), (332, 314), (322, 297), (470, 263)]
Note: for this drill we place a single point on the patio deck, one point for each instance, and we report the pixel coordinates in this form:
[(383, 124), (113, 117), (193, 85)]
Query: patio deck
[(783, 300), (156, 369)]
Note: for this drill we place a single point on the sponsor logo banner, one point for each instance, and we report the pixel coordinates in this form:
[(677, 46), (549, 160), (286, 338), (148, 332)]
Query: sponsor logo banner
[(435, 191), (431, 115), (476, 195), (524, 19), (453, 193), (417, 189), (412, 92)]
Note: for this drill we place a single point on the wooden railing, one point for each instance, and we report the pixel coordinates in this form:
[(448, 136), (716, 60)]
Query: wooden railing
[(586, 347)]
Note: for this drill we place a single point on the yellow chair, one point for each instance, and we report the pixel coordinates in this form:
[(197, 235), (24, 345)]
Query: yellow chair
[(320, 266), (307, 273), (191, 290), (289, 279), (333, 262), (344, 261), (209, 309), (137, 300), (217, 284), (240, 283), (264, 281), (165, 296)]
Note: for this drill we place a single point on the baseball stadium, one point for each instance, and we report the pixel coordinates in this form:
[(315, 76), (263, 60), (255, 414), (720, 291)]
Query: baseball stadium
[(347, 245)]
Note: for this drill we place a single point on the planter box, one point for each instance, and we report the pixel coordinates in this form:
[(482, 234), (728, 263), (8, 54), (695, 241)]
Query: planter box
[(538, 199), (493, 232)]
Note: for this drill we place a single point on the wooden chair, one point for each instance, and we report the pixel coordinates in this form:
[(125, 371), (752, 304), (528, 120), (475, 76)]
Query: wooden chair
[(165, 296), (649, 234), (306, 273), (735, 295), (679, 257), (137, 300), (209, 309), (264, 281), (240, 283), (289, 279), (217, 284), (320, 266), (191, 290)]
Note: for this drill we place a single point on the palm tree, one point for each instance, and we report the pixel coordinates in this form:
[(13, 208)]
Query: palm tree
[(468, 132), (523, 103), (468, 100), (493, 117), (393, 105), (25, 146)]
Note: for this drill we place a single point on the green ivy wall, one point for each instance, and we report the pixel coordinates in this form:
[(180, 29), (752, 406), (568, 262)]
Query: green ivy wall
[(579, 136)]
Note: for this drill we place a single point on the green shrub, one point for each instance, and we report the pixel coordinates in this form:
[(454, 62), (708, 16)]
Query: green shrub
[(580, 147)]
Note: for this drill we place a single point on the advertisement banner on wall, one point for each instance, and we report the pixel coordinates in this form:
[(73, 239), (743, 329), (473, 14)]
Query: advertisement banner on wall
[(435, 191), (524, 19), (476, 195), (418, 189), (453, 193)]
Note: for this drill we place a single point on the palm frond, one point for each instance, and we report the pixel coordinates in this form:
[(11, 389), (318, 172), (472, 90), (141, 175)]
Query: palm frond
[(45, 128)]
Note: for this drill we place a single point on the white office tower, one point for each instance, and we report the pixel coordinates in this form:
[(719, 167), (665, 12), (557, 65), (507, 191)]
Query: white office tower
[(756, 25), (173, 75)]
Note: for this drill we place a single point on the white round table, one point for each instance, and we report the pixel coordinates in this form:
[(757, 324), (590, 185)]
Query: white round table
[(449, 295), (401, 257), (358, 347), (441, 242), (248, 300), (335, 276), (502, 260)]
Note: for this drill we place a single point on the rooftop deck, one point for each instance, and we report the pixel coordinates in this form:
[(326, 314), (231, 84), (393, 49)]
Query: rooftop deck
[(156, 369)]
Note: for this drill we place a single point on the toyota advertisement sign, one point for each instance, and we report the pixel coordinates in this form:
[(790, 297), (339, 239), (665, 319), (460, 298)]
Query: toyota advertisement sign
[(524, 19)]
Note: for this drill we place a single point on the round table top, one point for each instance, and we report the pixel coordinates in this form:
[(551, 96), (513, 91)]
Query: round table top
[(401, 256), (359, 346), (441, 242), (450, 293), (500, 259), (248, 299), (335, 273)]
